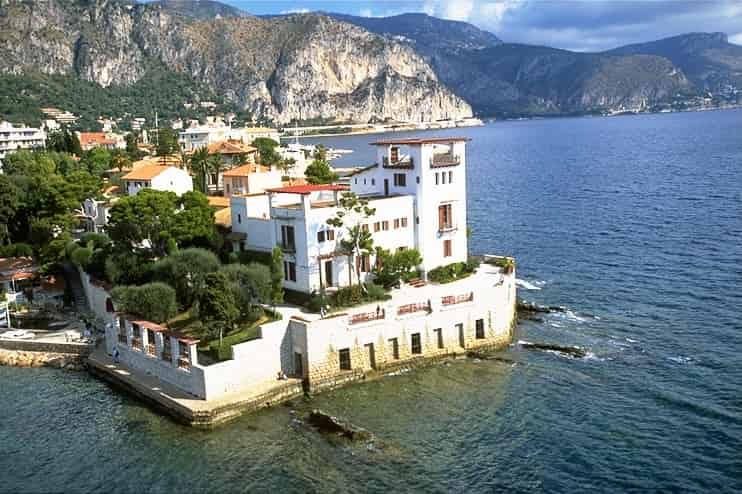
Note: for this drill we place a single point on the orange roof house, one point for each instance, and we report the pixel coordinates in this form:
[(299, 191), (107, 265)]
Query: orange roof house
[(147, 172)]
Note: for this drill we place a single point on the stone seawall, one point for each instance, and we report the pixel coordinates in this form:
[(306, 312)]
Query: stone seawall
[(22, 353)]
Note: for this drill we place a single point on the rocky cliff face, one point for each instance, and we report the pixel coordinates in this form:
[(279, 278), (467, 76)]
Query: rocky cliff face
[(303, 66)]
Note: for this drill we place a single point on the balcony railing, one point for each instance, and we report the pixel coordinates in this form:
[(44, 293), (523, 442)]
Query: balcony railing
[(444, 159), (122, 338), (136, 343), (407, 162), (412, 308), (457, 299), (286, 247), (167, 356), (150, 349), (184, 363), (366, 317)]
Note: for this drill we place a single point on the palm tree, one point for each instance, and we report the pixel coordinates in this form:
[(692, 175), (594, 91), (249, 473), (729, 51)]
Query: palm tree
[(215, 165), (199, 166)]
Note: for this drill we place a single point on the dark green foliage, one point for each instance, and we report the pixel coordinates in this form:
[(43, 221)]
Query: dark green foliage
[(317, 301), (167, 142), (154, 301), (507, 263), (22, 96), (81, 256), (64, 141), (391, 268), (450, 272), (16, 250), (217, 305), (186, 271), (8, 200), (295, 297), (267, 151), (248, 256), (277, 276), (251, 284), (194, 225), (126, 267), (320, 172), (356, 295), (356, 240)]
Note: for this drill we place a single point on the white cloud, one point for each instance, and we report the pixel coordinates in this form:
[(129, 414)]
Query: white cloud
[(303, 10), (365, 13), (736, 39)]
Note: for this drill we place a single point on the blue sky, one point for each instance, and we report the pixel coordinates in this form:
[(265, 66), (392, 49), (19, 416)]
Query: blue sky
[(584, 25)]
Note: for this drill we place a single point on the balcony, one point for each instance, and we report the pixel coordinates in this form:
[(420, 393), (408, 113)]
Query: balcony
[(366, 317), (151, 349), (136, 343), (403, 163), (457, 299), (122, 338), (444, 159), (166, 355), (412, 308), (184, 363)]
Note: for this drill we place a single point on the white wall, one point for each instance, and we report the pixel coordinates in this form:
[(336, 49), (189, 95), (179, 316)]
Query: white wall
[(173, 180)]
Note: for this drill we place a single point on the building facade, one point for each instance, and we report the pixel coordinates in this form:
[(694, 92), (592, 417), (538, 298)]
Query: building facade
[(13, 138), (165, 178), (417, 190)]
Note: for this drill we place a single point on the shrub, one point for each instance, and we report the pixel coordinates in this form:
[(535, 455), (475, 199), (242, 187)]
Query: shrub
[(95, 240), (376, 292), (154, 301), (391, 268), (82, 256), (317, 301), (506, 263), (355, 295), (185, 270), (450, 272), (16, 250)]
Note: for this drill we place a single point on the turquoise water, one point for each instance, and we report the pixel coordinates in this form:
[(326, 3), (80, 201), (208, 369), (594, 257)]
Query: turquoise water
[(632, 223)]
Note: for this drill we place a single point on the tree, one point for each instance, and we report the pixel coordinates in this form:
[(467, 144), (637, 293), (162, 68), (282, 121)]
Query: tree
[(391, 268), (267, 151), (132, 139), (251, 283), (97, 161), (64, 141), (186, 271), (319, 170), (286, 166), (167, 142), (356, 240), (120, 160), (153, 301), (8, 206), (277, 276), (215, 167), (146, 217), (199, 166), (217, 306), (194, 223)]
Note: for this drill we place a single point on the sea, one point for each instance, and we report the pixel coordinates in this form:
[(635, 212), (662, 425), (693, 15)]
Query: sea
[(632, 224)]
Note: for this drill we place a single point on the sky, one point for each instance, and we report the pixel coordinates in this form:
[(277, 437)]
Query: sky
[(582, 25)]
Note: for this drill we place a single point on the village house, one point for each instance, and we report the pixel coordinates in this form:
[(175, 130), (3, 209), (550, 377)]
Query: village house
[(215, 130), (106, 140), (164, 178), (13, 138)]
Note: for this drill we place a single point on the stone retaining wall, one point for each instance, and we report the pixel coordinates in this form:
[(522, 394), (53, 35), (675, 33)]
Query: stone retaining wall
[(20, 358), (46, 347)]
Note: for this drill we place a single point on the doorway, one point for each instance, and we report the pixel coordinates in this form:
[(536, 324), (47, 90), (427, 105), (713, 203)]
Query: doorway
[(462, 340), (386, 186), (371, 353), (328, 273), (298, 365)]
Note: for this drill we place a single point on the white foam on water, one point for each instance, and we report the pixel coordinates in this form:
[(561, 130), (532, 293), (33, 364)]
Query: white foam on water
[(528, 285), (632, 341), (573, 316), (680, 359)]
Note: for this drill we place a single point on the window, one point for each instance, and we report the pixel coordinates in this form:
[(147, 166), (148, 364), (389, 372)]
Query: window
[(404, 222), (480, 329), (167, 350), (373, 181), (287, 237), (447, 248), (396, 223), (321, 236), (445, 218), (364, 227), (437, 178), (443, 178), (418, 179), (394, 154), (377, 226), (289, 271), (344, 357), (356, 181), (239, 218), (450, 177), (385, 225), (400, 179), (460, 331), (227, 188), (331, 234), (439, 336), (214, 179), (394, 343), (416, 345), (363, 263), (364, 181)]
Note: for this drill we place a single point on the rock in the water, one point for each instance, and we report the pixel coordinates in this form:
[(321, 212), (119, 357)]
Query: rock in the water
[(573, 351), (328, 424)]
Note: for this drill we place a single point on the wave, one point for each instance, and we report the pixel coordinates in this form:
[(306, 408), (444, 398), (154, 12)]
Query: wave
[(680, 359), (529, 285)]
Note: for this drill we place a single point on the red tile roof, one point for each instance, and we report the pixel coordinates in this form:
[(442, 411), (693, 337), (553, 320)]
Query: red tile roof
[(246, 170), (17, 268), (308, 188), (419, 140)]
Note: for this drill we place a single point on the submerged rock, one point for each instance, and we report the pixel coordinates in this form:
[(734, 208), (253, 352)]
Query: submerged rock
[(573, 351), (328, 424), (528, 308), (485, 356)]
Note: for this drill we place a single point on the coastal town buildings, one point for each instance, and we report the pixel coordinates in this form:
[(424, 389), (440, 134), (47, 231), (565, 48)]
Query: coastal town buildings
[(215, 130), (107, 140), (13, 138)]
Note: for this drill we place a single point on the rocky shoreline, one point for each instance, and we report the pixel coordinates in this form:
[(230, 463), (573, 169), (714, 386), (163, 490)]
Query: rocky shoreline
[(21, 358)]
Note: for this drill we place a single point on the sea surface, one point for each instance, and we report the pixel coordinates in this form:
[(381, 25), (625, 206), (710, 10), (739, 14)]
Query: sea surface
[(634, 224)]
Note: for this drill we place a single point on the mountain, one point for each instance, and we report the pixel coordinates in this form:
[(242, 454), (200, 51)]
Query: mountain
[(709, 60), (200, 9), (293, 67), (507, 79)]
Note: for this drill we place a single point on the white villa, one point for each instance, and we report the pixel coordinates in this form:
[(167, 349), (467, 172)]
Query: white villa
[(165, 178), (13, 138), (417, 188), (418, 191)]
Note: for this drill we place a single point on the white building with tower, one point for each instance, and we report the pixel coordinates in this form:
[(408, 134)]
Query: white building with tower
[(417, 189)]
